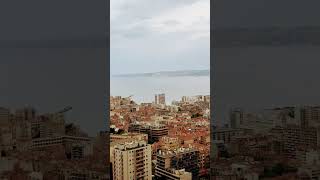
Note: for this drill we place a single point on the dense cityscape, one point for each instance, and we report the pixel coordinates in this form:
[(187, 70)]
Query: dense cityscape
[(160, 141), (280, 143), (45, 147)]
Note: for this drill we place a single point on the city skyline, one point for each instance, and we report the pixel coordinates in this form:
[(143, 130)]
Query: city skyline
[(144, 136)]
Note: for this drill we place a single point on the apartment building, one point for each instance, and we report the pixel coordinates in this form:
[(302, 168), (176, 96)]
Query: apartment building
[(180, 159), (132, 161)]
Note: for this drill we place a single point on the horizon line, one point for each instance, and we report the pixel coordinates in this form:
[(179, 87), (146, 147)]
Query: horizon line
[(135, 73)]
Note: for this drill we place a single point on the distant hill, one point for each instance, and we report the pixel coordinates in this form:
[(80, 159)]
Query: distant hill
[(168, 74)]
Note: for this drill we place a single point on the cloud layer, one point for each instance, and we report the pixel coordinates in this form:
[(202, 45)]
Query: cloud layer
[(148, 36)]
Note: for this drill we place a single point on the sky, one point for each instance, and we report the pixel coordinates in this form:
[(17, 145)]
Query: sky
[(159, 35)]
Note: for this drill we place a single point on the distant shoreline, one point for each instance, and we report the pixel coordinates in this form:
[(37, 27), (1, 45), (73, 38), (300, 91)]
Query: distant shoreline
[(194, 73)]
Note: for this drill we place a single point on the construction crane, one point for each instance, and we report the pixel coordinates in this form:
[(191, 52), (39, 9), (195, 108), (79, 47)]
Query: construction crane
[(64, 110), (129, 96)]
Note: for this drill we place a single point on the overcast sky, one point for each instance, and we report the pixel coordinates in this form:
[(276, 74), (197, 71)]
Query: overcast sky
[(158, 35)]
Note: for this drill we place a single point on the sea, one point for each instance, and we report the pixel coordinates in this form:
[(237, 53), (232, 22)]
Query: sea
[(143, 89)]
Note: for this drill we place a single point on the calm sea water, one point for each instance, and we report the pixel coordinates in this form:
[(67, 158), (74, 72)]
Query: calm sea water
[(144, 88)]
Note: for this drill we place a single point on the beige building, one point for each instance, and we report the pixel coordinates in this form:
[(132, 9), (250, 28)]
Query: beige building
[(183, 159), (116, 139), (132, 161), (160, 99), (128, 137), (154, 131), (172, 174)]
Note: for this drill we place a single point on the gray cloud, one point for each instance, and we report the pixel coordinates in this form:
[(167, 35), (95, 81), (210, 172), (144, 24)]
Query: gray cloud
[(159, 35)]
